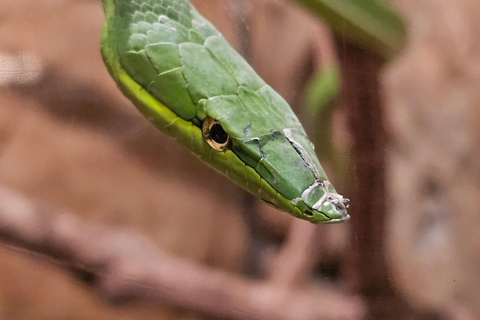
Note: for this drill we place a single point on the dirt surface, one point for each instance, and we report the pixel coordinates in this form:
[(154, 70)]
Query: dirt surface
[(432, 112), (69, 138)]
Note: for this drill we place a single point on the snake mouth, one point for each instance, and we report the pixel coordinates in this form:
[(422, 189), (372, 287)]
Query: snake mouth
[(328, 214), (343, 218), (320, 203), (335, 208)]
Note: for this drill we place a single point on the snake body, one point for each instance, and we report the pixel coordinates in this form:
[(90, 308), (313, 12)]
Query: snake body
[(181, 73)]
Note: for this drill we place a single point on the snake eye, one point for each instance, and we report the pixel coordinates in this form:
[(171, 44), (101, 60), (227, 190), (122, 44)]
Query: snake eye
[(214, 134)]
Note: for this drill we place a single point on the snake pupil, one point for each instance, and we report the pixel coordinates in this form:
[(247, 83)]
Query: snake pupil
[(214, 134), (217, 134)]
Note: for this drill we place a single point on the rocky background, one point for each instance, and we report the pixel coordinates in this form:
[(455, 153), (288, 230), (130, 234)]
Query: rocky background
[(70, 139)]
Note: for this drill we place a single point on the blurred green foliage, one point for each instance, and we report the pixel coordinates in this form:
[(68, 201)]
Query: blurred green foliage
[(371, 23)]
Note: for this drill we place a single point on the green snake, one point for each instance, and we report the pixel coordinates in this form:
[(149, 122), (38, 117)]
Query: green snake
[(186, 79)]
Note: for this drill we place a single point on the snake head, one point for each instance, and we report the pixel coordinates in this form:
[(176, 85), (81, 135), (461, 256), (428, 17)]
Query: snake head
[(267, 138), (190, 83), (326, 207)]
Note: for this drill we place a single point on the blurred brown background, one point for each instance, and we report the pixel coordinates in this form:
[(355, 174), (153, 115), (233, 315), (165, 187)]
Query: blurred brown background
[(411, 250)]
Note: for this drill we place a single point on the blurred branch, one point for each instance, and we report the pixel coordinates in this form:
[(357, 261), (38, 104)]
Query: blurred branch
[(455, 311), (123, 266), (240, 11), (321, 95), (305, 243), (371, 23), (294, 263), (319, 104)]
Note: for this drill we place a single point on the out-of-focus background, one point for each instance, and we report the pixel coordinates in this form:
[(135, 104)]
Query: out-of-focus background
[(404, 145)]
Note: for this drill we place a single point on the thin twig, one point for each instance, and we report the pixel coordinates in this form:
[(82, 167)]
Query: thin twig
[(123, 266), (302, 248), (293, 264)]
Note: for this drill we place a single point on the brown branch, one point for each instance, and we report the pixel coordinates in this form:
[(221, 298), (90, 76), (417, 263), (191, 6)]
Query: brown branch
[(324, 46), (294, 263), (123, 266)]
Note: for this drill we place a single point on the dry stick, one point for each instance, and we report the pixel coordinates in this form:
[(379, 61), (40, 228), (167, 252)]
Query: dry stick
[(324, 45), (241, 14), (296, 259), (123, 266), (293, 264)]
